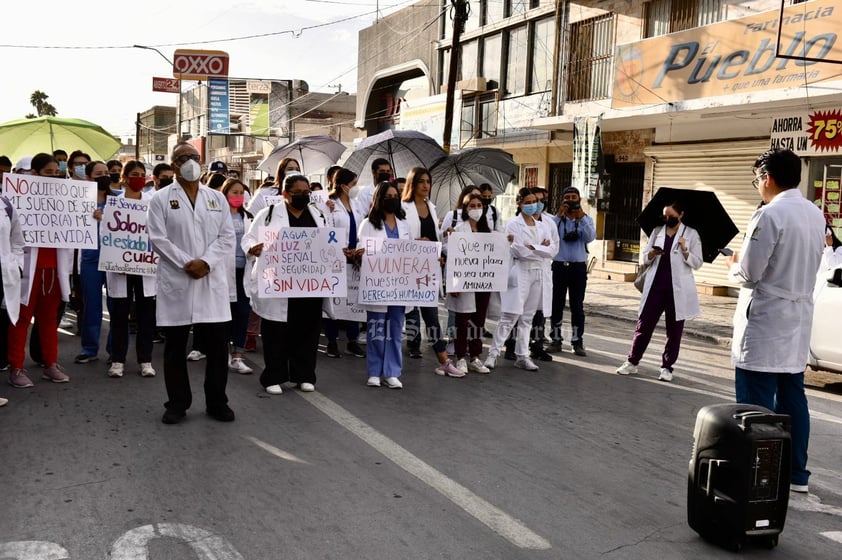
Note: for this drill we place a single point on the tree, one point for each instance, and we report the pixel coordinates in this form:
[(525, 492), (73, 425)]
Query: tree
[(38, 99)]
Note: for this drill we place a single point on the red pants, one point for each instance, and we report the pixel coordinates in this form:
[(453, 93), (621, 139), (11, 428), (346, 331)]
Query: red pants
[(44, 301)]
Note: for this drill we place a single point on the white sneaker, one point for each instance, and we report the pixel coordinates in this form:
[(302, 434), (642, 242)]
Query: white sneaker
[(307, 387), (239, 366), (491, 361), (476, 366), (146, 369), (66, 323), (800, 488), (627, 368), (666, 375), (462, 364), (373, 382), (3, 401), (116, 369), (393, 383), (195, 356), (361, 338), (275, 390), (526, 363)]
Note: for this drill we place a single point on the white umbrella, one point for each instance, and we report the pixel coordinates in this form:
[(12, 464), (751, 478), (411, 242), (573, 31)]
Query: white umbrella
[(313, 153)]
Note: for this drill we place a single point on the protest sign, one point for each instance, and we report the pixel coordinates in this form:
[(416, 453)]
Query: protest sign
[(347, 308), (400, 272), (477, 262), (301, 263), (124, 240), (53, 212)]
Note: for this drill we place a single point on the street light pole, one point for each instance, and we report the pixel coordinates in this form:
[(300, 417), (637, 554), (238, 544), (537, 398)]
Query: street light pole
[(170, 62)]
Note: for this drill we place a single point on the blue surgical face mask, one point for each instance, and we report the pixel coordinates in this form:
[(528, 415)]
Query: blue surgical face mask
[(530, 209), (79, 171), (540, 207), (62, 167)]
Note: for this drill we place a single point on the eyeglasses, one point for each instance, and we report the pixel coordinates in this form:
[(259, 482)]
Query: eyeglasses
[(183, 158), (756, 182), (298, 193)]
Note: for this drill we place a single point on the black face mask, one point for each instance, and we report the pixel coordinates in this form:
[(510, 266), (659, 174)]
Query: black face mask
[(102, 183), (391, 205), (165, 182), (384, 176), (114, 177), (671, 222), (299, 201)]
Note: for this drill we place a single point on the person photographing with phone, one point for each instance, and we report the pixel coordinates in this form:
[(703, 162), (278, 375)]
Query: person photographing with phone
[(673, 252), (570, 269)]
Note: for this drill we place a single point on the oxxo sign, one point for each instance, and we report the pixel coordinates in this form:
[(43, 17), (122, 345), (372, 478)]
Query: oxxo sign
[(199, 65)]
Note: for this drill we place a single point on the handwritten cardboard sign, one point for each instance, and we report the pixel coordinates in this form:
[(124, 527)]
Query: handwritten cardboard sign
[(123, 238), (400, 272), (53, 212), (347, 308), (301, 263), (477, 262)]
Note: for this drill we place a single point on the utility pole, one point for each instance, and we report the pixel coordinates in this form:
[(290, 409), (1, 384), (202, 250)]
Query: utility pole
[(137, 138), (460, 11)]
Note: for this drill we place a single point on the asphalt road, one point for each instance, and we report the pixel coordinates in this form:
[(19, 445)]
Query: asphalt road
[(566, 463)]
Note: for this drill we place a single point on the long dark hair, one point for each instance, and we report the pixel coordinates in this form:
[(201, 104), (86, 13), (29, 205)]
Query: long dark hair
[(835, 243), (341, 177), (230, 184), (521, 194), (376, 215), (482, 223)]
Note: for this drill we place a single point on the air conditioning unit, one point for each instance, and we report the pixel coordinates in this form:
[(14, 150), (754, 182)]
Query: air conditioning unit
[(472, 84)]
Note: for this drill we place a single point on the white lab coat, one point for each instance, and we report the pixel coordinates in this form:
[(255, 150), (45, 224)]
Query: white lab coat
[(116, 283), (341, 219), (258, 201), (180, 233), (684, 293), (11, 259), (454, 217), (524, 259), (367, 229), (365, 195), (414, 220), (64, 260), (274, 309), (831, 258), (231, 264), (779, 259)]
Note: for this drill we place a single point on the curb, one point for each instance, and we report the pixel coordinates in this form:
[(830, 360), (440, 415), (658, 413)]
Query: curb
[(696, 332)]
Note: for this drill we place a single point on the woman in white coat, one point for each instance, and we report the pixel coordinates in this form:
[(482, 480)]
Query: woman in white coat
[(238, 263), (385, 322), (45, 283), (11, 263), (533, 242), (470, 307), (123, 289), (286, 166), (423, 225), (673, 252), (289, 348)]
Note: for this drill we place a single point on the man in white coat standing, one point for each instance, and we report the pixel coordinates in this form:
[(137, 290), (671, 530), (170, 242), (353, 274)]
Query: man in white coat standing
[(776, 268), (191, 230)]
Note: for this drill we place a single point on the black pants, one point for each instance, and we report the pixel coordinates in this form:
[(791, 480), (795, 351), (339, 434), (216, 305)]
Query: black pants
[(289, 349), (216, 367), (144, 315), (572, 279), (431, 322)]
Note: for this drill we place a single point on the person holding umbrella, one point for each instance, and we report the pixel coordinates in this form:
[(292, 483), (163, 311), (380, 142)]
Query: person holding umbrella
[(673, 252)]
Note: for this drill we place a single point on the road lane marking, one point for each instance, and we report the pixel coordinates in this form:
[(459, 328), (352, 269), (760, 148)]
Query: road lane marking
[(511, 529), (275, 451), (134, 544), (812, 503), (833, 535), (33, 550)]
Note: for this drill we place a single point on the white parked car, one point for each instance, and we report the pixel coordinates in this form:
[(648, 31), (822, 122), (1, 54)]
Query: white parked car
[(825, 341)]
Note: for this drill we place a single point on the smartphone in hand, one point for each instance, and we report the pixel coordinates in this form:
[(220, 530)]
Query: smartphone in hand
[(726, 251)]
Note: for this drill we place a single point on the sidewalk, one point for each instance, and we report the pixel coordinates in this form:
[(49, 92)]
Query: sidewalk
[(621, 300)]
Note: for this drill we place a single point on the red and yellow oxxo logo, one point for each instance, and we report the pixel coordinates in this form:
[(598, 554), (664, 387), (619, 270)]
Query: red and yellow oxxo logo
[(199, 65)]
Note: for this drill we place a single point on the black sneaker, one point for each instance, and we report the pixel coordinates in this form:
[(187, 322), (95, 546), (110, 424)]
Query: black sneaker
[(579, 350), (542, 355), (333, 350), (486, 334), (415, 353), (554, 346), (223, 413), (84, 359), (510, 355), (355, 350), (173, 416)]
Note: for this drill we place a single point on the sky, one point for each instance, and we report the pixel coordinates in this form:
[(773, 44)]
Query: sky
[(111, 83)]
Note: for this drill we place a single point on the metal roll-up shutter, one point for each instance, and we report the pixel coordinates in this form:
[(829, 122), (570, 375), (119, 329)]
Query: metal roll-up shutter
[(724, 168)]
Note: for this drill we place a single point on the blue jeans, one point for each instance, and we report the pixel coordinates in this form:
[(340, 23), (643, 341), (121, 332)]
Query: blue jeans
[(240, 311), (384, 357), (783, 393), (92, 282)]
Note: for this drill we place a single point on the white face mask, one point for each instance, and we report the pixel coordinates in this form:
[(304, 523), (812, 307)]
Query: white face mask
[(475, 214), (191, 170), (354, 192)]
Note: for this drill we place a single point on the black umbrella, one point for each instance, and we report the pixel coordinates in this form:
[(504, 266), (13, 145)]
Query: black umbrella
[(702, 212)]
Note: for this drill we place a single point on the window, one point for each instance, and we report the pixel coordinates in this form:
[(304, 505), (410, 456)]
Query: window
[(669, 16), (516, 55), (492, 53), (479, 117), (468, 60), (517, 7), (466, 127), (543, 45), (488, 117), (494, 11), (591, 55)]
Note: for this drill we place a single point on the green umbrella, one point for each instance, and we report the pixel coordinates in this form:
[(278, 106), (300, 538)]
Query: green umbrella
[(27, 137)]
